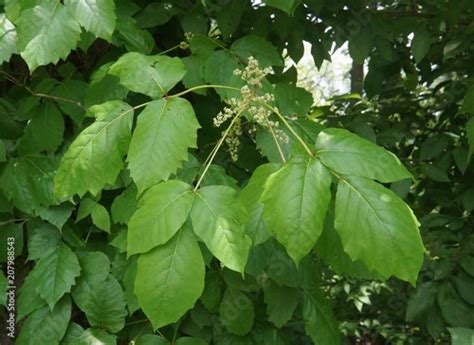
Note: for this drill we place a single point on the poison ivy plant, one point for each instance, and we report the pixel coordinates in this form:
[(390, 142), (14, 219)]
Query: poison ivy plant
[(174, 185)]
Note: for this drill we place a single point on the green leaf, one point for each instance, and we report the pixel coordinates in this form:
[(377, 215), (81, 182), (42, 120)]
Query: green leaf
[(421, 44), (135, 40), (99, 214), (124, 205), (287, 6), (46, 33), (170, 279), (95, 157), (56, 215), (10, 233), (461, 336), (55, 274), (320, 322), (468, 102), (8, 38), (296, 216), (218, 218), (464, 283), (3, 151), (162, 210), (106, 306), (3, 289), (128, 283), (347, 153), (257, 227), (165, 130), (44, 239), (96, 16), (151, 75), (45, 326), (74, 90), (28, 182), (470, 134), (73, 332), (28, 298), (95, 270), (94, 336), (378, 228), (150, 339), (292, 100), (455, 311), (228, 18), (422, 303), (190, 341), (236, 312), (281, 302), (360, 45), (227, 65), (329, 248), (259, 48)]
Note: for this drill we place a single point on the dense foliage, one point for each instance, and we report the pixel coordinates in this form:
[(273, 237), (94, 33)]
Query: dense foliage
[(164, 180)]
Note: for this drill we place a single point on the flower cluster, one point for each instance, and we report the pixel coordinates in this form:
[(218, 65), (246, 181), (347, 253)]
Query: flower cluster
[(251, 102)]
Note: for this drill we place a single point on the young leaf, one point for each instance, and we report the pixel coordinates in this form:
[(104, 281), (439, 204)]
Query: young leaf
[(55, 274), (236, 312), (45, 326), (46, 33), (378, 228), (96, 16), (320, 322), (347, 153), (165, 130), (95, 157), (151, 75), (296, 199), (218, 217), (162, 210), (170, 279)]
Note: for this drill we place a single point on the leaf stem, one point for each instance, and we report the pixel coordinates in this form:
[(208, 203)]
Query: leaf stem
[(215, 150), (41, 95), (214, 86), (282, 118), (169, 50)]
